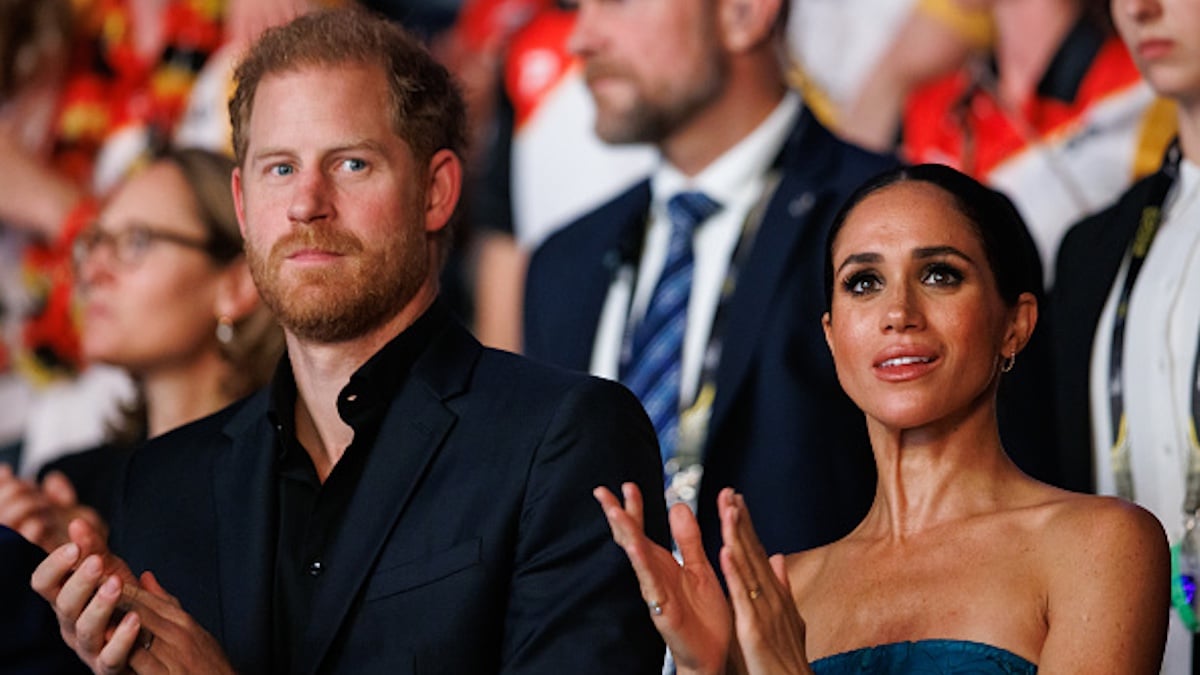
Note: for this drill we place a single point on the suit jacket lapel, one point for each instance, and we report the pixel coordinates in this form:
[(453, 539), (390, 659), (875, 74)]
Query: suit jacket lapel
[(806, 156), (618, 242), (413, 431), (243, 489)]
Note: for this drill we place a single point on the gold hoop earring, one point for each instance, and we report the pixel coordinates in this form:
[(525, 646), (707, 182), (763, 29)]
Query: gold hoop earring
[(224, 329), (1007, 362)]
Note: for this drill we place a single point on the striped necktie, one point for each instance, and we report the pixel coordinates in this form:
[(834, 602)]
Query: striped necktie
[(655, 354)]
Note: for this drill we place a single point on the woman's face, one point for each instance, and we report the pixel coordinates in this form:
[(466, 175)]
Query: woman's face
[(916, 325), (148, 301), (1164, 38)]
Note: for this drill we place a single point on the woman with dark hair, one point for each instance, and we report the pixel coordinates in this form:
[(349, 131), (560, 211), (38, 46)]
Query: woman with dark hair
[(166, 295), (963, 563)]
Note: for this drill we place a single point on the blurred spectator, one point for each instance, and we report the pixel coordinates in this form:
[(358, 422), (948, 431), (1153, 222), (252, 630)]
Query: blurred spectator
[(168, 298), (128, 77), (933, 38), (474, 49), (1057, 118), (548, 168), (34, 37), (1127, 312)]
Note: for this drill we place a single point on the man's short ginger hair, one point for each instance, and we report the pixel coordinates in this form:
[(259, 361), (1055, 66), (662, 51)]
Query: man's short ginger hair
[(426, 107)]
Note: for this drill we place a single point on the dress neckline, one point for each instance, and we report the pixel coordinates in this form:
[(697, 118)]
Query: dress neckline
[(891, 650)]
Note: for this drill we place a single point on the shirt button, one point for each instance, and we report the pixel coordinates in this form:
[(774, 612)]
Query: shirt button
[(352, 397), (315, 568)]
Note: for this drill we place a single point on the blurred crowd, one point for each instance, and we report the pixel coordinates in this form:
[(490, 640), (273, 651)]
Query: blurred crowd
[(127, 307)]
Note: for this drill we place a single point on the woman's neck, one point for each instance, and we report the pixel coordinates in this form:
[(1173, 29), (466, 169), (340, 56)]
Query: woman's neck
[(1028, 35), (936, 474), (178, 395)]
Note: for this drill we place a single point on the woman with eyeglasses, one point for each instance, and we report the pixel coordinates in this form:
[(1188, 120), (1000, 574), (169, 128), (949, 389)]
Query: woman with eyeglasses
[(165, 294)]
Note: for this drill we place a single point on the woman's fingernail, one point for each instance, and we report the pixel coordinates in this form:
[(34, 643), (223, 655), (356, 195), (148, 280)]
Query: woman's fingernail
[(111, 587), (69, 552)]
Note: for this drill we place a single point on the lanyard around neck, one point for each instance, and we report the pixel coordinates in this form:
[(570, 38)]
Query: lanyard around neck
[(1119, 455)]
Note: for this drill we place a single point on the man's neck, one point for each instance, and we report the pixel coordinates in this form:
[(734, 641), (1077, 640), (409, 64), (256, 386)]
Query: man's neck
[(720, 126), (322, 370)]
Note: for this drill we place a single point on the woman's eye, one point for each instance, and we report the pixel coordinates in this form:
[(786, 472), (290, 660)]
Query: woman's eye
[(861, 283), (942, 275)]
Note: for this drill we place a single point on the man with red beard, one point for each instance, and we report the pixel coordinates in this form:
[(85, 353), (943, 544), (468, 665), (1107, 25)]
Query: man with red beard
[(399, 499)]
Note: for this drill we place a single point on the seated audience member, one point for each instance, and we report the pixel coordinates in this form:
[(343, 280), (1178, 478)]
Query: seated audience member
[(138, 74), (1056, 116), (399, 498), (674, 286), (963, 564), (550, 168), (934, 38), (167, 296), (126, 82), (29, 640), (1127, 316)]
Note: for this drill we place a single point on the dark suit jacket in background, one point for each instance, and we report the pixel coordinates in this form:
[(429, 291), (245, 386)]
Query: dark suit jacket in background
[(30, 643), (1088, 262), (472, 543), (782, 430)]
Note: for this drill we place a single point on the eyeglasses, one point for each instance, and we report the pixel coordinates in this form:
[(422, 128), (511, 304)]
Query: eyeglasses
[(130, 245)]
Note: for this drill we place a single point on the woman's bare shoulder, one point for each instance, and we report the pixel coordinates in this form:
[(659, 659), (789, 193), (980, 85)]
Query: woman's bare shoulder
[(1105, 566), (1079, 534), (1075, 519)]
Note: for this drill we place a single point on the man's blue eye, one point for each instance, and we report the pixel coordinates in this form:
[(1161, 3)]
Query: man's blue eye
[(282, 169), (354, 164)]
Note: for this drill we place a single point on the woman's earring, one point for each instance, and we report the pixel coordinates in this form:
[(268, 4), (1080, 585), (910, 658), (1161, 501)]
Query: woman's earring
[(1007, 363), (224, 329)]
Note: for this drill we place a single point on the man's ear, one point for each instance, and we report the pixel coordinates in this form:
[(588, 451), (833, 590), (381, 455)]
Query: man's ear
[(443, 189), (235, 184), (747, 24)]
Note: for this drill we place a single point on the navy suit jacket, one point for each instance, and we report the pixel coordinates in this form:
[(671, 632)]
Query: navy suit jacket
[(472, 543), (781, 431), (1089, 259)]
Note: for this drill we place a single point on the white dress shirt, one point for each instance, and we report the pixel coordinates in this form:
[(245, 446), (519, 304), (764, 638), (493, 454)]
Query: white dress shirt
[(736, 180), (1162, 331)]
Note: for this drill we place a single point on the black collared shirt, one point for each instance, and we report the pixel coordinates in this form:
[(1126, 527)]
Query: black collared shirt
[(309, 512)]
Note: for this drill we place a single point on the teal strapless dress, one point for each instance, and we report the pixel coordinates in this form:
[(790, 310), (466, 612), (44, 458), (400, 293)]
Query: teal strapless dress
[(925, 657)]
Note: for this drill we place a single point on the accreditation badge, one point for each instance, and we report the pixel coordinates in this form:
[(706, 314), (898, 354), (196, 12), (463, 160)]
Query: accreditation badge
[(1185, 569)]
